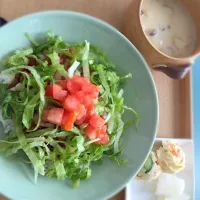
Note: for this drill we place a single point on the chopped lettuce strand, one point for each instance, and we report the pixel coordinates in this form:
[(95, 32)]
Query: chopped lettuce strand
[(91, 62), (73, 68), (35, 176), (86, 70), (76, 183), (108, 117), (120, 93), (91, 141), (29, 111), (135, 119), (55, 61), (31, 40), (119, 133), (60, 169), (111, 124), (19, 58), (37, 164)]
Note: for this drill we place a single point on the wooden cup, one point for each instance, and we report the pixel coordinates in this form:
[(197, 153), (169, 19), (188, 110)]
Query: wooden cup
[(174, 67)]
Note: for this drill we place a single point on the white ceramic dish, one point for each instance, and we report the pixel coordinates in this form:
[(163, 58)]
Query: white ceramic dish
[(140, 190)]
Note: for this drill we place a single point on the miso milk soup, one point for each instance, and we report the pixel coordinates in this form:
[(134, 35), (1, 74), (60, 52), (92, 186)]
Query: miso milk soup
[(169, 27)]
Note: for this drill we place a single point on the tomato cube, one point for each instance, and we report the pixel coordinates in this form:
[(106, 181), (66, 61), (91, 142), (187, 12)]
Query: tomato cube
[(90, 132), (96, 121), (68, 120), (90, 110), (71, 103), (56, 92), (80, 111), (63, 84), (73, 87), (87, 100), (89, 88), (104, 139), (80, 96), (55, 116), (80, 80)]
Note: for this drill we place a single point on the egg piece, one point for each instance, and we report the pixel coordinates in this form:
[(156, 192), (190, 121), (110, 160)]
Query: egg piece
[(171, 157), (169, 185)]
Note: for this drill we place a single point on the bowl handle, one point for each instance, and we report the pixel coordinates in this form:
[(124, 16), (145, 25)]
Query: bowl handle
[(2, 21), (175, 72)]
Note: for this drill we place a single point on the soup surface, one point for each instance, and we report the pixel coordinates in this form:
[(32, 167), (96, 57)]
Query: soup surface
[(169, 27)]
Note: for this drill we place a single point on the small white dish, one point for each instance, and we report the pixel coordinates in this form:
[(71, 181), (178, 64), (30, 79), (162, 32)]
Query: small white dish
[(141, 190)]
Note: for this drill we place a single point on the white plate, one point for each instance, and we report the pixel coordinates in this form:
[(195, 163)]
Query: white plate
[(140, 190)]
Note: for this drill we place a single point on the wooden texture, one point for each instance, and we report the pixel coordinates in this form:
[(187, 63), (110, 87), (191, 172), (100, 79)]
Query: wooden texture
[(174, 96)]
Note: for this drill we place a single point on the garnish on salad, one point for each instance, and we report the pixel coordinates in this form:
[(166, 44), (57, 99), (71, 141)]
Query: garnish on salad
[(66, 102)]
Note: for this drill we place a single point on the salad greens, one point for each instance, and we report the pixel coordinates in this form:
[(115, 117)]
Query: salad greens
[(53, 151)]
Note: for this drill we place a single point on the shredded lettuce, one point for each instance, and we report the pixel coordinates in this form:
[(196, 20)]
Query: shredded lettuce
[(120, 126), (29, 111), (60, 169), (37, 164), (73, 68), (86, 70), (55, 60), (31, 40), (19, 58), (53, 151)]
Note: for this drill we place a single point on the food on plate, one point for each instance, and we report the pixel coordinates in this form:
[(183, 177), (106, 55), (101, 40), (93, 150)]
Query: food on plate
[(151, 169), (67, 103), (171, 157), (169, 26), (169, 185)]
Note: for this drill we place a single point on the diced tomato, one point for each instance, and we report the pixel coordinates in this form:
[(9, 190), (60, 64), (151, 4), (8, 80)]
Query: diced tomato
[(56, 92), (84, 119), (69, 120), (75, 83), (80, 96), (49, 90), (90, 132), (104, 140), (71, 103), (93, 133), (90, 88), (90, 110), (65, 117), (80, 111), (44, 116), (60, 96), (87, 101), (63, 84), (55, 116), (96, 121), (72, 86), (94, 95), (80, 80), (102, 130)]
